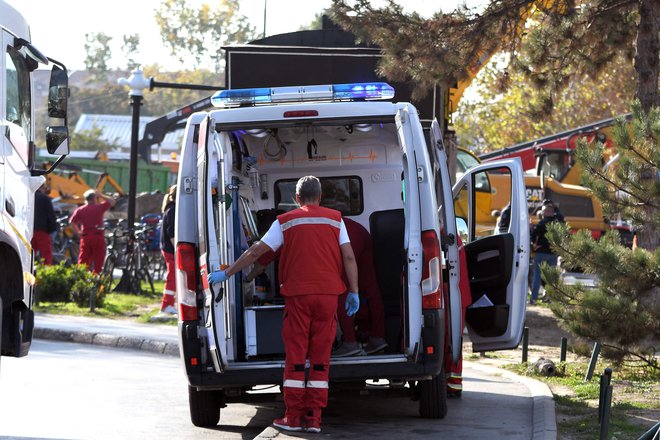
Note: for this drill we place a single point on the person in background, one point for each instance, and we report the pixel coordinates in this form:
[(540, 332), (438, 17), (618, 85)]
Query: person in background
[(167, 306), (368, 285), (541, 247), (45, 223), (87, 222), (316, 251)]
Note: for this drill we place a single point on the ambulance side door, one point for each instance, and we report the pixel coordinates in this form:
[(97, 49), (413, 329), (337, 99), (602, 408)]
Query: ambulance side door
[(497, 255), (448, 241), (210, 191)]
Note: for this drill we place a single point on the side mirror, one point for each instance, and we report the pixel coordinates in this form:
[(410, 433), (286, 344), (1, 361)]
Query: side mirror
[(57, 140), (58, 93)]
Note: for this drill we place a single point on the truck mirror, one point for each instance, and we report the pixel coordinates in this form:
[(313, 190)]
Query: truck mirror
[(58, 93), (57, 140)]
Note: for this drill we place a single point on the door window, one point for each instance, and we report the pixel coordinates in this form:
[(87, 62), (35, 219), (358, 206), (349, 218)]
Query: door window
[(18, 106)]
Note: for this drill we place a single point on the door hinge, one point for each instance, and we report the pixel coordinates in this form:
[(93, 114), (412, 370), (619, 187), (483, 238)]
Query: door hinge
[(189, 185)]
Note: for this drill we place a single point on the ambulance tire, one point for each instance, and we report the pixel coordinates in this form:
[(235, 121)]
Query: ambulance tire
[(204, 407), (433, 397)]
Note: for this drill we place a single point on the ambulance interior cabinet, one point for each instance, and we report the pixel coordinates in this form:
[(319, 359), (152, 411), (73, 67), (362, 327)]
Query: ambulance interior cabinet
[(263, 330)]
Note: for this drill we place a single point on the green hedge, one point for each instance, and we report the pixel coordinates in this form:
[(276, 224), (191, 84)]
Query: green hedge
[(68, 283)]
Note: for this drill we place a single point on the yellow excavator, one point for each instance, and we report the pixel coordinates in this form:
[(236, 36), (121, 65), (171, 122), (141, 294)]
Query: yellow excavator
[(67, 187)]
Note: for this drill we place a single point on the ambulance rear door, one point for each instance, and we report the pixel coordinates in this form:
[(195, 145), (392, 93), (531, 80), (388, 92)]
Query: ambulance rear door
[(210, 185), (448, 240), (412, 182), (497, 254)]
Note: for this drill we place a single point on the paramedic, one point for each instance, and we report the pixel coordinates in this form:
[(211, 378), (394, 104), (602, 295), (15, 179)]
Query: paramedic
[(315, 251), (454, 370), (87, 222), (167, 307), (45, 224), (362, 249), (541, 247)]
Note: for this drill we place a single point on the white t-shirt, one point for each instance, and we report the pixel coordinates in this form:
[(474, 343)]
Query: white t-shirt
[(274, 237)]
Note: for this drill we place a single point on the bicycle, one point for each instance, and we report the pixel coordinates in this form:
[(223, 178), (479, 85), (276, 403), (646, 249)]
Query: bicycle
[(132, 259), (66, 244)]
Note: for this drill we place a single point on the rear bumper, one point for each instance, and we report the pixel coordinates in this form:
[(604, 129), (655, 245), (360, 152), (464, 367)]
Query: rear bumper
[(427, 363)]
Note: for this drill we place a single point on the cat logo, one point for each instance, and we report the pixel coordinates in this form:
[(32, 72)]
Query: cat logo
[(534, 197)]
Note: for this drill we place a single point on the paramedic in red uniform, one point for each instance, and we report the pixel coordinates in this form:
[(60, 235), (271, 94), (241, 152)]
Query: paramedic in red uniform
[(454, 370), (316, 251), (87, 222), (363, 251)]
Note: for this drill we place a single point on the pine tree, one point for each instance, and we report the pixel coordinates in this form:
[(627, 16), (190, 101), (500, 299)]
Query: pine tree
[(622, 312)]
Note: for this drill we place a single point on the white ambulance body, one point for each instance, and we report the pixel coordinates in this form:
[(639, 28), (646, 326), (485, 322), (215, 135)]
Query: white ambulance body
[(19, 178), (240, 163)]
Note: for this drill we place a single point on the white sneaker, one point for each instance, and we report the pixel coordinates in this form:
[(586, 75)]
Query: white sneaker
[(169, 310)]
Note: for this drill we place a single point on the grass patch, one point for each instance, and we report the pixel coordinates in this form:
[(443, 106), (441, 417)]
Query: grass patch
[(116, 305)]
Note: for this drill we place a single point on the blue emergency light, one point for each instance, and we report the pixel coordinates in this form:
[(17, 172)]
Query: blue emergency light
[(337, 92)]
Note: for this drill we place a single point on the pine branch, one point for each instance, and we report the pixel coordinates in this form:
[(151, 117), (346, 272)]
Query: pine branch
[(648, 362)]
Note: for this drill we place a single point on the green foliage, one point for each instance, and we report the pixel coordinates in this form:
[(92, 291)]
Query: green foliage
[(622, 311), (130, 49), (503, 117), (195, 35), (551, 43), (114, 305), (91, 140), (67, 283), (631, 187), (97, 48)]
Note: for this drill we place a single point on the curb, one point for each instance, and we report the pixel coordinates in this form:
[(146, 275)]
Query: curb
[(544, 420), (107, 340)]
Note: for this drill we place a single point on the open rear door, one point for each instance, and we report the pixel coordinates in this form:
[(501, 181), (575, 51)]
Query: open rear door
[(497, 252), (210, 191), (448, 242)]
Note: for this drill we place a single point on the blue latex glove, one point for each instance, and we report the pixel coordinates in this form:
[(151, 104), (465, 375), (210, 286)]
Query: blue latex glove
[(219, 276), (352, 303)]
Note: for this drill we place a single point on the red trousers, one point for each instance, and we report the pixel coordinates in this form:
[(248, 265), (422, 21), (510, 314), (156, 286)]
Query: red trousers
[(92, 251), (42, 244), (170, 280), (454, 370), (375, 317), (308, 330)]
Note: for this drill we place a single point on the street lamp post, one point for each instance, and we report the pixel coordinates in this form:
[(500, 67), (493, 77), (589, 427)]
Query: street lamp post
[(137, 83)]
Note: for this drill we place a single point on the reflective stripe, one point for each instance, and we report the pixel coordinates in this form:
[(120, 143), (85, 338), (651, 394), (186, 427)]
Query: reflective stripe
[(455, 376), (455, 386), (317, 384), (292, 383), (310, 221), (169, 292)]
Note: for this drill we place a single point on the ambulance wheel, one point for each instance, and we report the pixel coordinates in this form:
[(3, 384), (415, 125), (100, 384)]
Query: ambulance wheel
[(205, 406), (433, 397)]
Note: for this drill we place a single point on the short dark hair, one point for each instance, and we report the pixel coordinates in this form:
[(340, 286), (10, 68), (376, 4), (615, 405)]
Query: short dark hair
[(308, 189)]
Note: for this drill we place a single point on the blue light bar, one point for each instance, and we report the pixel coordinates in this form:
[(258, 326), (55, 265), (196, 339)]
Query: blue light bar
[(338, 92)]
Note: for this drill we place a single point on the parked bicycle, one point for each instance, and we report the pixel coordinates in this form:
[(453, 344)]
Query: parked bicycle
[(66, 244), (133, 261)]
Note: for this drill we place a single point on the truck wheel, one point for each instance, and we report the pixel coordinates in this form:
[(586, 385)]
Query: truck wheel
[(433, 397), (205, 406)]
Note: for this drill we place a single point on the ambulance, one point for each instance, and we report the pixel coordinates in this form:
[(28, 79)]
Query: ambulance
[(378, 166)]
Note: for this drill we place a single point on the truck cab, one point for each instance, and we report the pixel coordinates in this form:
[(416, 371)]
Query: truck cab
[(19, 175), (239, 165)]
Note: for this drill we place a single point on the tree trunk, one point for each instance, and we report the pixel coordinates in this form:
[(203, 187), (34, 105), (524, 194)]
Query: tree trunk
[(647, 61), (647, 65)]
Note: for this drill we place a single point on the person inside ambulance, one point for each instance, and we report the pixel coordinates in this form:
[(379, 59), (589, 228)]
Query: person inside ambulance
[(316, 251), (371, 327)]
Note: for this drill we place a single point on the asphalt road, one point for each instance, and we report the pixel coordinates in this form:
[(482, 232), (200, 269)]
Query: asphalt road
[(66, 390)]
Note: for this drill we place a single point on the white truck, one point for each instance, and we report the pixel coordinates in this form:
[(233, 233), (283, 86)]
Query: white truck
[(20, 177), (240, 163)]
